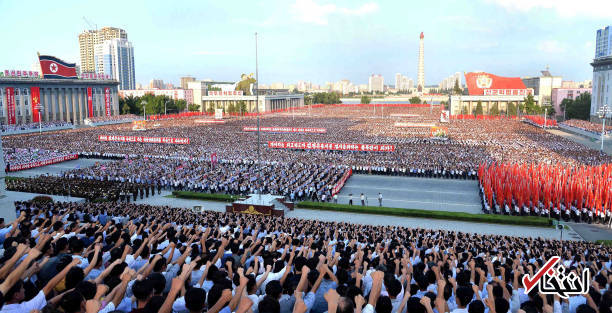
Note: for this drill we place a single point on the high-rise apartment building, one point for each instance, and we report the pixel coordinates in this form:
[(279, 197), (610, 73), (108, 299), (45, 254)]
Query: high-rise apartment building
[(156, 83), (402, 83), (90, 38), (115, 57), (185, 80), (376, 83), (603, 43)]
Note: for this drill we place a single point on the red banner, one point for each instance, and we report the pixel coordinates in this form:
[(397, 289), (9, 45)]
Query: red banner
[(35, 93), (169, 140), (330, 146), (10, 105), (107, 106), (89, 102), (286, 129), (210, 121), (25, 166), (341, 182)]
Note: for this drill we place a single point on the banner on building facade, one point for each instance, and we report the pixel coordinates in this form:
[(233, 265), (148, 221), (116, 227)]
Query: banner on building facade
[(140, 139), (286, 129), (107, 105), (330, 146), (10, 105), (35, 93), (89, 102), (25, 166)]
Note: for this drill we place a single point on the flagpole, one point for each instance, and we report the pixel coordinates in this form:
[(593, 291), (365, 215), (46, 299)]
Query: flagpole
[(257, 107)]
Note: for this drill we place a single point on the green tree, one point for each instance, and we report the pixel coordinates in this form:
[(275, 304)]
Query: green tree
[(495, 110), (415, 100), (531, 107), (580, 108), (326, 98), (231, 108), (457, 89), (211, 108), (194, 107), (478, 110), (565, 104), (365, 99), (241, 107), (511, 109)]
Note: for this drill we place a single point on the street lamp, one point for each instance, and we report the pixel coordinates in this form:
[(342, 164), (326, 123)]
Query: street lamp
[(602, 113), (144, 109), (165, 112)]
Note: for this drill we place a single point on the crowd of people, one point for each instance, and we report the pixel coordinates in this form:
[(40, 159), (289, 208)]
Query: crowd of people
[(115, 118), (90, 189), (16, 156), (470, 142), (581, 194), (103, 257), (295, 181), (588, 126), (29, 126)]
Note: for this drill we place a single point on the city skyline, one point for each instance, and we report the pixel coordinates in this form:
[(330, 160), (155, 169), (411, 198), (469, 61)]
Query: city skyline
[(336, 41)]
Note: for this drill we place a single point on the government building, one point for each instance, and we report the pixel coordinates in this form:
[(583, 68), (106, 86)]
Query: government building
[(69, 100), (491, 91)]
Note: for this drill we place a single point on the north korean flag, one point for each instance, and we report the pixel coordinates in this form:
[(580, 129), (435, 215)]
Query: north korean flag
[(53, 67)]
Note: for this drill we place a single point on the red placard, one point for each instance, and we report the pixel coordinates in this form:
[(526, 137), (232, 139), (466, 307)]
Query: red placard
[(341, 182), (25, 166), (10, 105), (89, 102), (35, 93), (286, 129), (107, 101), (140, 139), (330, 146)]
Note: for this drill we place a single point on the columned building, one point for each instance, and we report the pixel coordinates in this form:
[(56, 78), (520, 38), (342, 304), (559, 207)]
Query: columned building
[(266, 102), (60, 99), (491, 91)]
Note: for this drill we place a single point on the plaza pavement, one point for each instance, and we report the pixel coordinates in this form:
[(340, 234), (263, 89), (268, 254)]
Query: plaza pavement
[(414, 192), (372, 219)]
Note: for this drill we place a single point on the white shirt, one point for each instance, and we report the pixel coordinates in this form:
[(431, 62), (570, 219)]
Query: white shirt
[(37, 303)]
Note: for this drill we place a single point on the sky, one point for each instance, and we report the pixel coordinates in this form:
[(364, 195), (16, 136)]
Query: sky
[(317, 40)]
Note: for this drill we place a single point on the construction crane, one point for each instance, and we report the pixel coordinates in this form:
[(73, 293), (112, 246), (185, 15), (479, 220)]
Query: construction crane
[(94, 26)]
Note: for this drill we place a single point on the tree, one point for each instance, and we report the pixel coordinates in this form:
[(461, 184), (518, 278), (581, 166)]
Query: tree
[(231, 108), (478, 110), (565, 104), (531, 107), (511, 109), (550, 111), (211, 108), (580, 108), (415, 100), (365, 99), (464, 110), (326, 98), (241, 107), (495, 110), (194, 107), (457, 89)]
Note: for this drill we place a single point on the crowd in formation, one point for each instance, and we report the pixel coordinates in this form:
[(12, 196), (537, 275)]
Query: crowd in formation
[(89, 189), (115, 118), (103, 257), (31, 126), (588, 126), (308, 174), (17, 156), (581, 194)]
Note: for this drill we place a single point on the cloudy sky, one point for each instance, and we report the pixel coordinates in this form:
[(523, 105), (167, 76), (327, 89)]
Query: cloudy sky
[(318, 40)]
